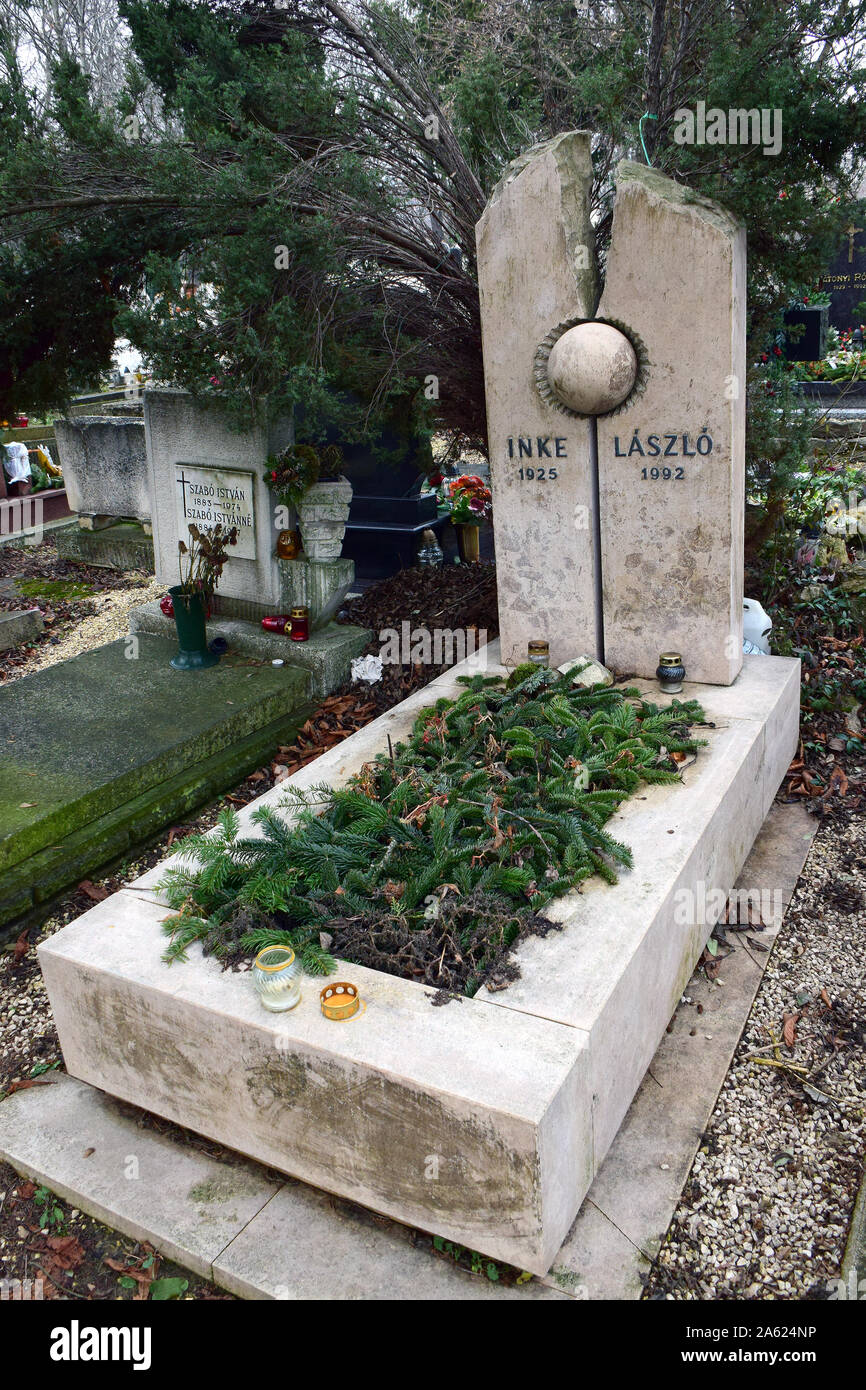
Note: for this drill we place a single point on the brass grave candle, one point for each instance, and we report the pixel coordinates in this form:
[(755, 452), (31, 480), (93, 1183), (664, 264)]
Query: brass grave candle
[(671, 673), (300, 624)]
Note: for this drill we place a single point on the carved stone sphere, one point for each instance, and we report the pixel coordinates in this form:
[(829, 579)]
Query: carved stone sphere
[(592, 368)]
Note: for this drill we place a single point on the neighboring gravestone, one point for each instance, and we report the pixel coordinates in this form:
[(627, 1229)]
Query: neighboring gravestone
[(104, 463), (845, 279), (202, 471), (616, 435)]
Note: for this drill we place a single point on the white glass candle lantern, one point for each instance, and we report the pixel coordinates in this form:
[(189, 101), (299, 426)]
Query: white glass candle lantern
[(275, 976)]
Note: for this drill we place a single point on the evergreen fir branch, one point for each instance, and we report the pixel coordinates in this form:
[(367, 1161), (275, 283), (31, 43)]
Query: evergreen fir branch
[(502, 792)]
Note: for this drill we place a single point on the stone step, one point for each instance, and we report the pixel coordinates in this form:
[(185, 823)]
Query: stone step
[(327, 656)]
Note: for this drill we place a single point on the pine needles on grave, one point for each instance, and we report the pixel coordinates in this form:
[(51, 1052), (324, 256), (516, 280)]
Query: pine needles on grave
[(445, 849)]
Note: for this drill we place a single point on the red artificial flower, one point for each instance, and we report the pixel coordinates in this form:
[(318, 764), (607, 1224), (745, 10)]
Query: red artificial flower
[(436, 479)]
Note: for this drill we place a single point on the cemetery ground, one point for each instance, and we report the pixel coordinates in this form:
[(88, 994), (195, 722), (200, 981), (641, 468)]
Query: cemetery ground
[(765, 1208)]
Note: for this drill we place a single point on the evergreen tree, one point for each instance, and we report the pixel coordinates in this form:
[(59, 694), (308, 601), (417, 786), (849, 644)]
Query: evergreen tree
[(364, 139)]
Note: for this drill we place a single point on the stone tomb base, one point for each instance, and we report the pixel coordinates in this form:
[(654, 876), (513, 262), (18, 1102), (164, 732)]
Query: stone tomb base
[(326, 657), (485, 1120), (123, 545)]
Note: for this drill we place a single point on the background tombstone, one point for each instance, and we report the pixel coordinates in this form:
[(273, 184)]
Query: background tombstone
[(536, 269), (672, 520), (203, 471), (845, 278), (104, 464)]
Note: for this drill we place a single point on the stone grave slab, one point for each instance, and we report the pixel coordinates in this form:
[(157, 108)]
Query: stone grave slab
[(514, 1100), (122, 741)]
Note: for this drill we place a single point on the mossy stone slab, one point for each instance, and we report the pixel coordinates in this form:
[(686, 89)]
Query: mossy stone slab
[(87, 735)]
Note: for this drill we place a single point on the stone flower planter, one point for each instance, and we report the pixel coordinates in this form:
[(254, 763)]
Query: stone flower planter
[(322, 515)]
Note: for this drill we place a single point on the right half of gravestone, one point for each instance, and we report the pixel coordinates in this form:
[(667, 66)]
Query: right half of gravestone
[(672, 462)]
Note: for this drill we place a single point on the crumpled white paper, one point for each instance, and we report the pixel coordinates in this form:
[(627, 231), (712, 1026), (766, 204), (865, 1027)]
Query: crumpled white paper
[(367, 668)]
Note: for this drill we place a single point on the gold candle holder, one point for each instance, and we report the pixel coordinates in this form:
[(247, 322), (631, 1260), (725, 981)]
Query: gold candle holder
[(339, 1001)]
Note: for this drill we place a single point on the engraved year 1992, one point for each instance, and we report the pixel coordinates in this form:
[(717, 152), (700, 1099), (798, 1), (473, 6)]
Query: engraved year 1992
[(671, 445)]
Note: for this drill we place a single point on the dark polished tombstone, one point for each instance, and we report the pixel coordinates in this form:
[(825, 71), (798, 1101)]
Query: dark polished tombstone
[(810, 344), (845, 279)]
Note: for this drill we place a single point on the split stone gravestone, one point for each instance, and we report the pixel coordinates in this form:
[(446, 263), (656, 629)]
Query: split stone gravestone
[(616, 428)]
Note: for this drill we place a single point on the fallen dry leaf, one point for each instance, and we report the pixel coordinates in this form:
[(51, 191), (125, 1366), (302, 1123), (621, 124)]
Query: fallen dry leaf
[(95, 892), (31, 1081), (19, 950), (789, 1029), (67, 1251)]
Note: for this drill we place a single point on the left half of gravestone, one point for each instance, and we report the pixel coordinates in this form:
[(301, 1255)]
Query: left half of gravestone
[(537, 274), (202, 471)]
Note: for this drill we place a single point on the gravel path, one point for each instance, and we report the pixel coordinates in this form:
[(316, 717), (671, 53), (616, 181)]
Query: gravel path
[(109, 622), (765, 1211)]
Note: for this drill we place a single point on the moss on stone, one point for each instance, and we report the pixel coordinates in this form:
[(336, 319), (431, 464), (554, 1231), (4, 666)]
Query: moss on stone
[(58, 590)]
